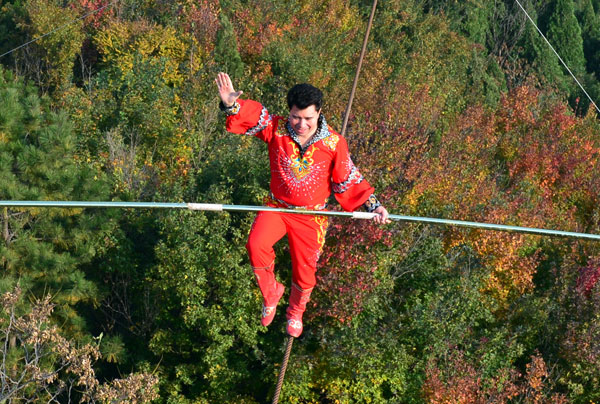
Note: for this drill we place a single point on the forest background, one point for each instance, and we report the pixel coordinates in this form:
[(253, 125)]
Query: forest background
[(462, 111)]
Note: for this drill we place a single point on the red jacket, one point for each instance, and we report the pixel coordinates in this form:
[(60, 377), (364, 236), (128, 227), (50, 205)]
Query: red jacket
[(303, 177)]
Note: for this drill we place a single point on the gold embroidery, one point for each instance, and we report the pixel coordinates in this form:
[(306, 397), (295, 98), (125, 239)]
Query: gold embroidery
[(323, 223), (331, 141), (300, 165)]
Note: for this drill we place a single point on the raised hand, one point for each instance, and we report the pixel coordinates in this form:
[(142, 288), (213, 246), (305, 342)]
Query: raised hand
[(226, 91)]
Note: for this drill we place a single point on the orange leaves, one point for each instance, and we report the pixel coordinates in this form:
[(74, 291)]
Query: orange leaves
[(257, 26), (459, 381), (536, 373), (528, 162), (512, 270), (516, 109)]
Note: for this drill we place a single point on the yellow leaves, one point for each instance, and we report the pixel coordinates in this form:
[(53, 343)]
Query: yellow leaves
[(60, 48), (335, 13), (121, 41)]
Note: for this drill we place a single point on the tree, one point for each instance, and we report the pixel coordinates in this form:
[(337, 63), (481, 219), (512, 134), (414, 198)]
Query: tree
[(564, 34), (541, 58), (136, 106), (590, 31), (44, 249), (580, 346), (41, 365), (227, 57), (50, 60)]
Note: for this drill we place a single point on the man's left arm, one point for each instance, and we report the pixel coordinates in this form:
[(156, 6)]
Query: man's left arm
[(373, 205), (350, 188)]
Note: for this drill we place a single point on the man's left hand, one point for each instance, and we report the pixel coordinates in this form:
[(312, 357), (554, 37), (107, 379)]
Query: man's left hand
[(382, 215)]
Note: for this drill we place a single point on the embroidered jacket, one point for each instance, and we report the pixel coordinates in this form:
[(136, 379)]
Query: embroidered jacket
[(303, 176)]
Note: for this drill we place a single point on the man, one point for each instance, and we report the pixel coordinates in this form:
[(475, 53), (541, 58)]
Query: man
[(308, 160)]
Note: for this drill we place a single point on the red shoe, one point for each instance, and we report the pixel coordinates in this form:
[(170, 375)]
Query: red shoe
[(294, 327), (268, 311), (271, 291), (298, 300)]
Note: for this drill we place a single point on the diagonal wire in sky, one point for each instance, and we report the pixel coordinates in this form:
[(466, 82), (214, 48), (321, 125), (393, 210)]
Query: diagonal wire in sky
[(59, 28), (558, 56)]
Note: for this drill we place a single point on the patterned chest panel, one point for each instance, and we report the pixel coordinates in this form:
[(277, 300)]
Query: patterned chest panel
[(300, 174), (296, 173)]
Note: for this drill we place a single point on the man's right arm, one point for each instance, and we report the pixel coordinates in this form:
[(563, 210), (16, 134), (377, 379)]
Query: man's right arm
[(245, 117), (226, 91)]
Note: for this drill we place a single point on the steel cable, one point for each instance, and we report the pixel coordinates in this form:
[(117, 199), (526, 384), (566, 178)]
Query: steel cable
[(559, 58), (59, 28)]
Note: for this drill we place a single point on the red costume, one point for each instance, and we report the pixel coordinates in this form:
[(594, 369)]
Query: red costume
[(303, 178)]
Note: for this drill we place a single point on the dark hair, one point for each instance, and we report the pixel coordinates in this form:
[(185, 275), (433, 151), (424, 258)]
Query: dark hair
[(304, 95)]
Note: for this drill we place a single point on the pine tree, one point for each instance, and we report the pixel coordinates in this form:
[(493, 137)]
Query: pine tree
[(540, 56), (590, 31), (564, 34), (43, 249), (226, 53)]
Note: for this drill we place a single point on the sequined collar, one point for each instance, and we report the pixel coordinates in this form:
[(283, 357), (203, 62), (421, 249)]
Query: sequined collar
[(321, 133)]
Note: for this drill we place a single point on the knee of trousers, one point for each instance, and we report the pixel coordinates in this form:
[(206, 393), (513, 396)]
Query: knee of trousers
[(258, 250), (304, 276)]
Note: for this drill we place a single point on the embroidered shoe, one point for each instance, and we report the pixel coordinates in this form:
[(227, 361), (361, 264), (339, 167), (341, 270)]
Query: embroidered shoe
[(268, 312), (294, 327), (298, 299)]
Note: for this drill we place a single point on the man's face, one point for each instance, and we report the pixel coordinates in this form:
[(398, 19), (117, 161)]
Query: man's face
[(304, 121)]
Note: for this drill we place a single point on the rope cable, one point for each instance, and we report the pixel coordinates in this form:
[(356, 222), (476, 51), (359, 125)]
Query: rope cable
[(358, 67), (59, 28), (286, 357), (559, 58)]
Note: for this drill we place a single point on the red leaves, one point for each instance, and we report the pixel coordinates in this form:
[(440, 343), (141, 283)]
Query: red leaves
[(347, 269), (201, 19), (91, 6), (587, 279), (527, 162)]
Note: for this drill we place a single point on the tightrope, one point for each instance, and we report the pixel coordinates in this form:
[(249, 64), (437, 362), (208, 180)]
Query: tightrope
[(286, 357), (215, 207)]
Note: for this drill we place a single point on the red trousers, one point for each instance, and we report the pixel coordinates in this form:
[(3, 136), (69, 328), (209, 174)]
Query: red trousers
[(306, 236)]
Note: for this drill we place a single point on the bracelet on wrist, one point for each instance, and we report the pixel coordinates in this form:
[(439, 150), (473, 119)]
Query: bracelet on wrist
[(372, 203), (230, 110)]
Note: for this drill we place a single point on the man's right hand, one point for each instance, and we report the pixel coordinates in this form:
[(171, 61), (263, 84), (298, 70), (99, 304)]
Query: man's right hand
[(226, 91)]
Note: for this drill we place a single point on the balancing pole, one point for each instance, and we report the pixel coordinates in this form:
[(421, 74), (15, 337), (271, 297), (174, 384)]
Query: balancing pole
[(216, 207), (286, 357)]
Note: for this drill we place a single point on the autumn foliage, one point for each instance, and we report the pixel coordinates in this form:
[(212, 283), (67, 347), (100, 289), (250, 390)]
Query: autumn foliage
[(461, 112)]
